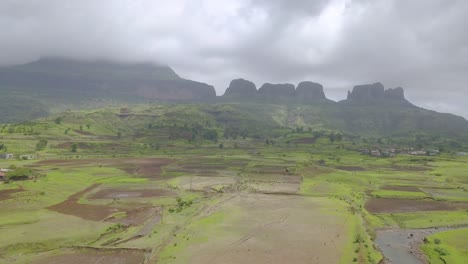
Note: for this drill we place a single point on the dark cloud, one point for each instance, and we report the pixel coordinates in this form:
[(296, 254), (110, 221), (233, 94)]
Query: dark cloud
[(420, 44)]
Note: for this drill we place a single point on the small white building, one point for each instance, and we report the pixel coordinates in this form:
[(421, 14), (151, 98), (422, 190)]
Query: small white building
[(7, 156)]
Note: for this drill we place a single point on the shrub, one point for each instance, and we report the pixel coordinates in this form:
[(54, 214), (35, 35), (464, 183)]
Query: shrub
[(442, 251)]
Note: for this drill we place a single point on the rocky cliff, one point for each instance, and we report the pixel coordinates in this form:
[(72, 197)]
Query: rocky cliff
[(277, 91), (310, 92), (306, 92), (375, 94), (241, 88)]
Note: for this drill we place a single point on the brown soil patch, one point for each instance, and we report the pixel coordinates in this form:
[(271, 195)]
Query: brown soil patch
[(134, 217), (395, 205), (203, 183), (401, 188), (85, 133), (130, 193), (85, 211), (259, 169), (120, 256), (6, 194), (146, 167), (351, 168), (200, 172), (205, 167), (68, 145)]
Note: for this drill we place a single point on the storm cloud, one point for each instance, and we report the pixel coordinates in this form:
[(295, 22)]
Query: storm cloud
[(420, 45)]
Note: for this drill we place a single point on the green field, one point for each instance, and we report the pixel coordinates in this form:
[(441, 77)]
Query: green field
[(201, 184)]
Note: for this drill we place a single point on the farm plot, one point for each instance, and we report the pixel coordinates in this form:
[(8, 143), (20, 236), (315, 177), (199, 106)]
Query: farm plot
[(394, 205), (260, 228), (120, 256), (144, 167)]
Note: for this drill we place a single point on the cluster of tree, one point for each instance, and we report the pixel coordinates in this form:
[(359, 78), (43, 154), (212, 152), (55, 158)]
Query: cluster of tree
[(233, 132), (41, 144), (181, 205), (269, 142), (335, 137), (17, 174), (193, 132), (58, 120), (26, 129)]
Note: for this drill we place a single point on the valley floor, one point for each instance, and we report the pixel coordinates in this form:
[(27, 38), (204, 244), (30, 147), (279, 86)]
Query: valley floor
[(244, 203)]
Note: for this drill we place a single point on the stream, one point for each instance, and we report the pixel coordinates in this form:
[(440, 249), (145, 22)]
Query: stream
[(402, 245)]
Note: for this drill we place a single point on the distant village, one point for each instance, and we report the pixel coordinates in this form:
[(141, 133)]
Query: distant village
[(21, 157), (392, 152)]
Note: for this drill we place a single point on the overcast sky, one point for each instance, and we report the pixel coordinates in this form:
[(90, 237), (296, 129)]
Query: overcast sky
[(421, 45)]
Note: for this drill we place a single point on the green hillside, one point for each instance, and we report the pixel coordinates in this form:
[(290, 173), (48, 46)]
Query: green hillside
[(155, 125)]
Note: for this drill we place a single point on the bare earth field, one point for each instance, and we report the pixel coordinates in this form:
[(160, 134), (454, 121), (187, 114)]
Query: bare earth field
[(109, 193), (144, 167), (85, 211), (6, 194), (96, 257), (394, 205), (260, 228)]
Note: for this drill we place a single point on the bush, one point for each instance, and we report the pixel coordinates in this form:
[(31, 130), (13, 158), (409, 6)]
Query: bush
[(442, 251), (437, 241)]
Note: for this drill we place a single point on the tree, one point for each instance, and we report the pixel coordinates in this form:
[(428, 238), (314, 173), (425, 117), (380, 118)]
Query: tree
[(74, 147), (211, 134), (221, 145), (19, 174), (58, 120), (41, 144), (88, 126), (338, 136)]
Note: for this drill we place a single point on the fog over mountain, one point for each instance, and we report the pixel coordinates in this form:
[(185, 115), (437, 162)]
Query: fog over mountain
[(419, 45)]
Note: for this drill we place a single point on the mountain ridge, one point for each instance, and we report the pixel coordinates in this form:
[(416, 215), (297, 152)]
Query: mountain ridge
[(34, 88)]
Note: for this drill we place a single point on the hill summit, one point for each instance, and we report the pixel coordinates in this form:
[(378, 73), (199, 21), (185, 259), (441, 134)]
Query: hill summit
[(306, 92), (72, 81), (376, 93)]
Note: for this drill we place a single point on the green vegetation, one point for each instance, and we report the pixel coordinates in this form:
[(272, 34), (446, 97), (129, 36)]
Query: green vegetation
[(190, 179), (447, 247)]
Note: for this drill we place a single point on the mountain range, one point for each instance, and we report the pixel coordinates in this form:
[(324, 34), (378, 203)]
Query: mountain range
[(48, 85)]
